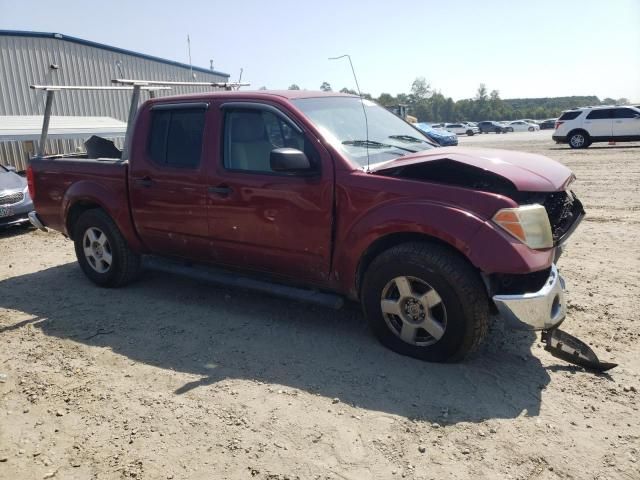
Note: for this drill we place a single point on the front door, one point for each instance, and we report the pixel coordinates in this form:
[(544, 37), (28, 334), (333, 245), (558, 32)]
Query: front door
[(264, 220), (626, 122), (167, 180)]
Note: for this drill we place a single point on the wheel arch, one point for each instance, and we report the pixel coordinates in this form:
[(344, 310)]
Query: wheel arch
[(391, 240)]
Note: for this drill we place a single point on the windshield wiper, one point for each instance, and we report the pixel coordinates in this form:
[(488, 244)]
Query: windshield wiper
[(374, 144), (407, 138)]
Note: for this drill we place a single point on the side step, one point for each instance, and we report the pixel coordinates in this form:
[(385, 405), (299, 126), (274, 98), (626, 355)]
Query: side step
[(234, 280)]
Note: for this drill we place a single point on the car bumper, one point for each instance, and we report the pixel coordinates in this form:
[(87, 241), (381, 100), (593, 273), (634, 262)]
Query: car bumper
[(35, 221), (19, 213), (559, 138), (540, 310)]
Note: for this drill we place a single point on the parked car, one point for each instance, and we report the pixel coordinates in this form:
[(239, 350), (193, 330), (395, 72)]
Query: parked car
[(548, 124), (284, 188), (489, 126), (15, 201), (522, 126), (438, 135), (461, 129), (437, 125), (583, 126)]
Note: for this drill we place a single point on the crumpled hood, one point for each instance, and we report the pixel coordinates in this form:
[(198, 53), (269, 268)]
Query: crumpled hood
[(529, 172), (11, 181)]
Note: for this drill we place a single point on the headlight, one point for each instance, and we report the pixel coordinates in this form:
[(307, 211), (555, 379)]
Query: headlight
[(528, 223)]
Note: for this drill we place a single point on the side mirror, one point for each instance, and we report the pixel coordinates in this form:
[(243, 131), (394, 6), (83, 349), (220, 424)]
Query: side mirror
[(289, 160)]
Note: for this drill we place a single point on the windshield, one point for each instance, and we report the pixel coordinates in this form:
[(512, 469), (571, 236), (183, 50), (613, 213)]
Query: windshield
[(341, 122)]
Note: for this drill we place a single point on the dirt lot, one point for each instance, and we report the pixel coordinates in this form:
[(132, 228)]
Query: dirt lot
[(172, 379)]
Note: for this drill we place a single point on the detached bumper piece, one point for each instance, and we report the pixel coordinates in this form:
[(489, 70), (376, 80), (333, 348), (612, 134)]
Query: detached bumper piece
[(541, 310), (567, 347)]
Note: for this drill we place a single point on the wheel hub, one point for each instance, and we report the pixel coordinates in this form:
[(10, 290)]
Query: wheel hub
[(414, 310)]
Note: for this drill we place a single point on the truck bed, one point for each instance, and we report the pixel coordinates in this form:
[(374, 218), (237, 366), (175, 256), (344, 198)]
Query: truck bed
[(60, 178)]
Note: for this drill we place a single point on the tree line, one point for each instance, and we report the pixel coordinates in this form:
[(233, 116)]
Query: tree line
[(429, 105)]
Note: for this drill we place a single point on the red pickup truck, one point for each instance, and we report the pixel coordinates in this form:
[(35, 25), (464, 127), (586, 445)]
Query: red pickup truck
[(302, 189)]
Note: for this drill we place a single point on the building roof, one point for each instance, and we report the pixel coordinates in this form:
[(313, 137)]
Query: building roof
[(89, 43), (29, 127)]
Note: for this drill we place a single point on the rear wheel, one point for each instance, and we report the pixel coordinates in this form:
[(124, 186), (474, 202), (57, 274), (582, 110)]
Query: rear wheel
[(579, 139), (102, 251), (425, 301)]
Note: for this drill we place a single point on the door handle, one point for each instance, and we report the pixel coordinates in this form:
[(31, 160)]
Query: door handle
[(222, 190), (144, 182)]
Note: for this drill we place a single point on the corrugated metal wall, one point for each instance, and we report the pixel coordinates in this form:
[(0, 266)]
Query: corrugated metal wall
[(26, 60)]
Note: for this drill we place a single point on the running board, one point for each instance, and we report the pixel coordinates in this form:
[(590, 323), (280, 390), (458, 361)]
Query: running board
[(233, 280)]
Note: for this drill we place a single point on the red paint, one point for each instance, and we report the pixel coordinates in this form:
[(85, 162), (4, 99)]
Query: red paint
[(303, 230)]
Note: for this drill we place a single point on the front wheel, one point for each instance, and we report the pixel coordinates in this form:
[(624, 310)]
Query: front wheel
[(531, 129), (470, 133), (102, 251), (425, 301)]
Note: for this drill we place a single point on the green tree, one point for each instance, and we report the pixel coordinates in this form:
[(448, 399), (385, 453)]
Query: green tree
[(262, 88), (325, 87), (348, 90), (420, 90), (386, 100), (293, 86)]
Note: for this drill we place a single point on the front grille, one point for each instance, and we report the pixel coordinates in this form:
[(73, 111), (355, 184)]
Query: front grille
[(564, 209), (11, 198)]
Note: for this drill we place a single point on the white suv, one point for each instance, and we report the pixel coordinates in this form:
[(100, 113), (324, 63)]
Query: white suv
[(461, 129), (583, 126)]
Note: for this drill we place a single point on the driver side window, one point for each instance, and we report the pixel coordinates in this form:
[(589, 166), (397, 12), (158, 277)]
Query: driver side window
[(251, 134)]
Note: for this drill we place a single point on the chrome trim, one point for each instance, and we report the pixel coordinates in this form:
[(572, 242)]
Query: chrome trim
[(540, 310), (35, 221)]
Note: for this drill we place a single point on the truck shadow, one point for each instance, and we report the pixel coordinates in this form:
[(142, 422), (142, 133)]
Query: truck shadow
[(178, 324)]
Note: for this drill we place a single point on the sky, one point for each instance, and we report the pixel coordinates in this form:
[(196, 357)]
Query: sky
[(538, 48)]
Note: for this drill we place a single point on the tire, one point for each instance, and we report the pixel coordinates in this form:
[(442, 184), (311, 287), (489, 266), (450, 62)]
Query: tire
[(470, 133), (460, 318), (531, 129), (498, 130), (510, 129), (102, 251), (579, 139)]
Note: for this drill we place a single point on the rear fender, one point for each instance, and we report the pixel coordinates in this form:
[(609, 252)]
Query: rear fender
[(115, 204)]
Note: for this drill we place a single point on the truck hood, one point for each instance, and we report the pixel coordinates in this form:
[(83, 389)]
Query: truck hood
[(528, 172)]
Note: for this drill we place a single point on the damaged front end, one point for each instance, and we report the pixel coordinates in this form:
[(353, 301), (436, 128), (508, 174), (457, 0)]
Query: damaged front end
[(532, 301)]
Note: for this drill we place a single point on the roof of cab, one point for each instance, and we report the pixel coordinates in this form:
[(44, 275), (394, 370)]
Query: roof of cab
[(253, 94)]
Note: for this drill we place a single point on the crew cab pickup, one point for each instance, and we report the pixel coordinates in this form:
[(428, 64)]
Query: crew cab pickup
[(300, 189)]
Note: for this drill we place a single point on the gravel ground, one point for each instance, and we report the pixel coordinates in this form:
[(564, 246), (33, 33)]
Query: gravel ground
[(169, 378)]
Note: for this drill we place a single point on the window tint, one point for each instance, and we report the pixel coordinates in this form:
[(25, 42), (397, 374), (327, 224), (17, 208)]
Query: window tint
[(624, 113), (251, 134), (176, 137), (570, 115), (603, 113)]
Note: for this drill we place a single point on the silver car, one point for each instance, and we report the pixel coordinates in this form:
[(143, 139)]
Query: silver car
[(15, 201)]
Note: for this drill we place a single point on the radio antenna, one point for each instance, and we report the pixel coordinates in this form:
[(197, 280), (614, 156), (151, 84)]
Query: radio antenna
[(364, 110)]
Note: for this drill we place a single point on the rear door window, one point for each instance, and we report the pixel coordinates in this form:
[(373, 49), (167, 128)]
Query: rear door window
[(604, 113), (175, 138)]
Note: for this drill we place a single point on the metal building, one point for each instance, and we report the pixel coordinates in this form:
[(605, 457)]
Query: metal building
[(55, 59)]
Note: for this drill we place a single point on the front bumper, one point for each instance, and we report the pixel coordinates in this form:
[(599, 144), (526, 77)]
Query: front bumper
[(541, 310)]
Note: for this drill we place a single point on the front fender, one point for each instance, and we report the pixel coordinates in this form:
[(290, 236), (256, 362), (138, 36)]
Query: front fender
[(447, 223), (485, 246)]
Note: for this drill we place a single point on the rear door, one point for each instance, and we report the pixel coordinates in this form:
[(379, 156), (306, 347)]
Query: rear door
[(264, 220), (167, 181), (599, 122), (626, 122)]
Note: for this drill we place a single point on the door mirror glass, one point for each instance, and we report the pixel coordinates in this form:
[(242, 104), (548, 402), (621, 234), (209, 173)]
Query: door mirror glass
[(289, 160)]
